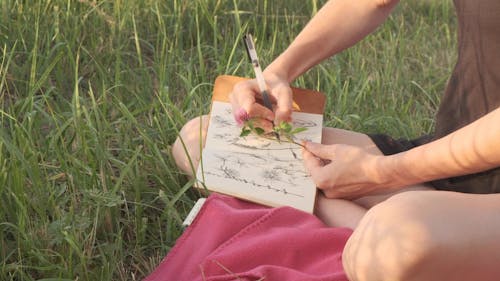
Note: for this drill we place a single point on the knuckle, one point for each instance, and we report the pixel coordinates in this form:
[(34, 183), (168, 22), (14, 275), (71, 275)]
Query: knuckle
[(240, 86), (323, 183), (285, 111), (241, 89), (330, 194)]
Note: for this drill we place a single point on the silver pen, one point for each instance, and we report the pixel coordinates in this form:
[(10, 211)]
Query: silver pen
[(254, 59)]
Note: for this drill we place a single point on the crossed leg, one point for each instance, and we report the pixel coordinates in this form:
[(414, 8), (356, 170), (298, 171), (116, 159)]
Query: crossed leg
[(412, 234), (427, 235), (333, 212), (187, 147)]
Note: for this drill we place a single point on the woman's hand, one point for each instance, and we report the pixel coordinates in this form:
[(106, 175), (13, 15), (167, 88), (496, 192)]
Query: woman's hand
[(343, 171), (246, 96)]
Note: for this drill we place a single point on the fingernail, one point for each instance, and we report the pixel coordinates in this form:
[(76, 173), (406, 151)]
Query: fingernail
[(241, 116)]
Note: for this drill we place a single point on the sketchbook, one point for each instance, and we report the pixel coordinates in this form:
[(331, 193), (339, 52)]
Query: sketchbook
[(255, 168)]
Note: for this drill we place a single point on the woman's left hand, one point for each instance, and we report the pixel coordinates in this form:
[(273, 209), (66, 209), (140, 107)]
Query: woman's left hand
[(343, 171)]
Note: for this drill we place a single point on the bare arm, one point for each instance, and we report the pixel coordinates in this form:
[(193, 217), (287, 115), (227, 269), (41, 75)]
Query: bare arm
[(471, 149), (338, 25), (353, 172)]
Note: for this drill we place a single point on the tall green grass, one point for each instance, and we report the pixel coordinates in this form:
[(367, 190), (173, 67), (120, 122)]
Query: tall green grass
[(93, 94)]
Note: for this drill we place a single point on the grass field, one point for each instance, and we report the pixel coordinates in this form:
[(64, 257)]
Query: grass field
[(93, 93)]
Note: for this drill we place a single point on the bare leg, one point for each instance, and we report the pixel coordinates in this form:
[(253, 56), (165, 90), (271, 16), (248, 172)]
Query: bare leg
[(187, 147), (333, 212), (418, 235), (186, 151), (421, 235), (427, 235), (338, 212)]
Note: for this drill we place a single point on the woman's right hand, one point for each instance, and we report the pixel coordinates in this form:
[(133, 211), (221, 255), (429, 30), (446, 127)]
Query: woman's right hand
[(246, 101)]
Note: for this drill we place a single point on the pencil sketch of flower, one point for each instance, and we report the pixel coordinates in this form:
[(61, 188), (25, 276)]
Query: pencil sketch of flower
[(221, 121), (231, 173), (219, 136), (303, 123), (270, 175)]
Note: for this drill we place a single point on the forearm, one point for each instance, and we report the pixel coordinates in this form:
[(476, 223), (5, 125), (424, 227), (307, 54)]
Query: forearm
[(338, 25), (471, 149)]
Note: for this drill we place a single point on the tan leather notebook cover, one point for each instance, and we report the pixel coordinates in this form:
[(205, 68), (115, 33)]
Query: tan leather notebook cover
[(303, 100), (254, 168)]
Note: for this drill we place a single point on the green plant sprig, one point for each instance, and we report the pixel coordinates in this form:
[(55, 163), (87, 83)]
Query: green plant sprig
[(284, 130)]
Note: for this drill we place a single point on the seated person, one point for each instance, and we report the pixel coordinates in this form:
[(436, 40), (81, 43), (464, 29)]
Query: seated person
[(424, 209)]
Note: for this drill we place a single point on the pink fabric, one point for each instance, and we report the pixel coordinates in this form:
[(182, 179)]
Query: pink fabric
[(231, 239)]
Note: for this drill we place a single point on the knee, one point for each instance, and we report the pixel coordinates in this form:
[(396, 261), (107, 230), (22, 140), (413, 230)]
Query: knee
[(186, 149), (392, 241)]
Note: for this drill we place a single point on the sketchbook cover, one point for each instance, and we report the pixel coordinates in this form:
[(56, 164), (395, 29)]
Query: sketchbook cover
[(254, 168)]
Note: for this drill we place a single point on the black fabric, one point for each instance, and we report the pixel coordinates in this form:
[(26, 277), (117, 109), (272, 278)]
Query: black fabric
[(485, 182), (390, 146)]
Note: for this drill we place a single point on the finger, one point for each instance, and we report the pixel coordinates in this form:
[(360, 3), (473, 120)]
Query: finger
[(342, 194), (320, 150), (316, 168), (243, 97), (240, 113), (241, 116), (320, 173), (284, 102), (259, 110), (332, 194), (266, 125), (311, 161)]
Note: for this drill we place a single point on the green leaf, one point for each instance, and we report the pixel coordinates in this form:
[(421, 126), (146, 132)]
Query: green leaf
[(298, 130), (245, 132), (286, 127), (259, 131)]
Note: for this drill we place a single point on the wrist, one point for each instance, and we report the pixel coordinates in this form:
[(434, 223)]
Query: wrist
[(274, 74), (391, 173), (402, 169)]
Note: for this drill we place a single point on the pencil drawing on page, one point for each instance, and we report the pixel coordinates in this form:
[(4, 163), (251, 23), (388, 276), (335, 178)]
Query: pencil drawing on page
[(257, 168)]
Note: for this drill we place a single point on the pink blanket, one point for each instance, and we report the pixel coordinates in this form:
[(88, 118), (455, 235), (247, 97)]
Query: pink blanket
[(232, 239)]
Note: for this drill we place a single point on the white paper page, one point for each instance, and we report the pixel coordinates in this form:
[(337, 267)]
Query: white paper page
[(255, 168)]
